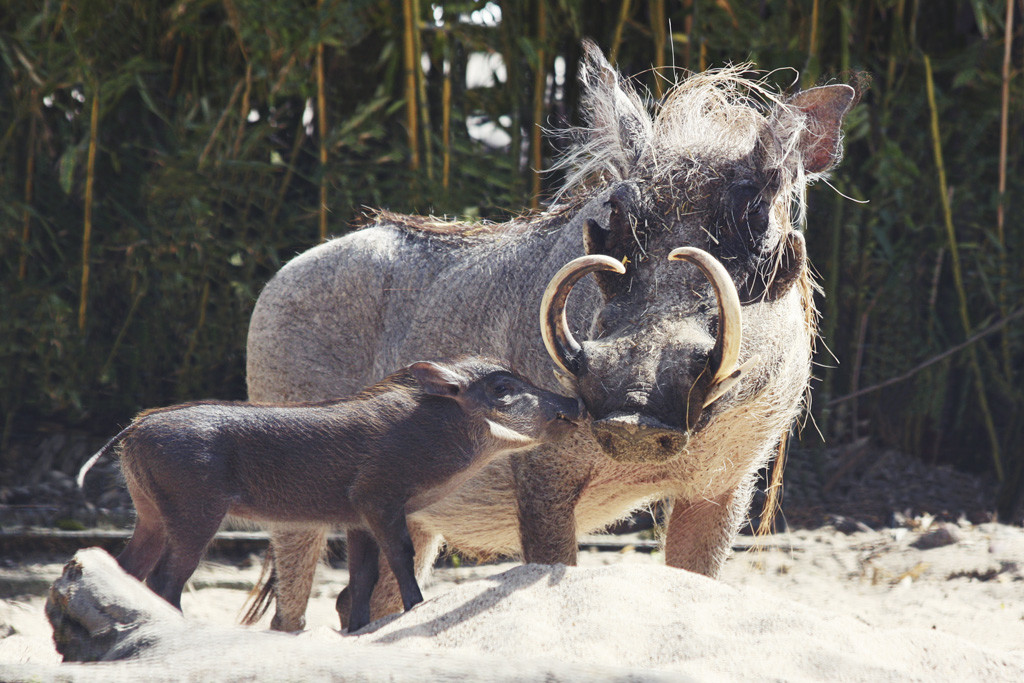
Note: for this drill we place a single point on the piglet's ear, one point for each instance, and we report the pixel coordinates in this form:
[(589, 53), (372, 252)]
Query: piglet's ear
[(825, 108), (438, 379)]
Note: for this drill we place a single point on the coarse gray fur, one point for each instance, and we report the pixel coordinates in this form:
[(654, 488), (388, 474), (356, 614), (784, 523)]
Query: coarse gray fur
[(720, 164)]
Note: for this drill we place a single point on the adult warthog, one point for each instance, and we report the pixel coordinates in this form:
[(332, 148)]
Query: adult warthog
[(692, 375)]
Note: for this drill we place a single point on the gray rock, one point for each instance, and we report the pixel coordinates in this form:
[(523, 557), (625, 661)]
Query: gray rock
[(938, 537)]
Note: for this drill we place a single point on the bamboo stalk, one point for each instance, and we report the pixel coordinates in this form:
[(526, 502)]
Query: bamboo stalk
[(811, 70), (446, 116), (914, 13), (699, 39), (412, 125), (193, 339), (30, 171), (136, 300), (954, 253), (511, 52), (991, 329), (827, 336), (90, 179), (724, 4), (845, 20), (321, 121), (540, 77), (613, 53), (235, 21), (812, 48), (858, 362), (659, 27), (59, 23), (421, 90), (220, 124), (179, 57), (243, 114), (282, 75), (897, 25), (688, 28), (300, 135), (1001, 208)]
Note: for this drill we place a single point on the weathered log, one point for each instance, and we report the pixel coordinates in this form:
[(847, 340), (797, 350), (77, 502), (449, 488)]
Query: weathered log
[(103, 614)]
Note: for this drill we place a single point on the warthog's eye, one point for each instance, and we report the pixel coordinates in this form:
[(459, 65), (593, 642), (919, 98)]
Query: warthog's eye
[(749, 211), (757, 210)]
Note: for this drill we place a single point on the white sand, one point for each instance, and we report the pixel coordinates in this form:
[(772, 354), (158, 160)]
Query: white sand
[(813, 605)]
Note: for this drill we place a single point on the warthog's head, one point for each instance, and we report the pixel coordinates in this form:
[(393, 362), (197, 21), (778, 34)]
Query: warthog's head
[(689, 233)]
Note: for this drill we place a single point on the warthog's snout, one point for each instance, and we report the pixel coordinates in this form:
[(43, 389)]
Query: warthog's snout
[(634, 437)]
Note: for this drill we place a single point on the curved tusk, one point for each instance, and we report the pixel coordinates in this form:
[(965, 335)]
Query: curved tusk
[(563, 348), (730, 325), (719, 390)]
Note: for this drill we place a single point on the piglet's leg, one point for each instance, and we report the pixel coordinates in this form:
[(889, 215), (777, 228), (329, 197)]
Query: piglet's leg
[(148, 540), (386, 597), (362, 571), (187, 538), (388, 525)]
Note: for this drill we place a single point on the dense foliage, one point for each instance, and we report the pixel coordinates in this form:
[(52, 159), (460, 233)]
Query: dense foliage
[(160, 160)]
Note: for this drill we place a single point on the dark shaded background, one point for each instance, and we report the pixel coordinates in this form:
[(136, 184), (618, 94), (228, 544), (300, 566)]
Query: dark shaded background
[(159, 161)]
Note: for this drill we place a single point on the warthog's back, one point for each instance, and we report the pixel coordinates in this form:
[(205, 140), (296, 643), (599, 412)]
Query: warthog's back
[(348, 312)]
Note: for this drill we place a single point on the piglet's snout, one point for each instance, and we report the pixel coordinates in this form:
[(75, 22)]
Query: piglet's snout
[(572, 412)]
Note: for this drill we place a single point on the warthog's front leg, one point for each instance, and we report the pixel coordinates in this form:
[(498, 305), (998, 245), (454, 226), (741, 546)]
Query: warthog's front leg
[(548, 486), (296, 554), (699, 535)]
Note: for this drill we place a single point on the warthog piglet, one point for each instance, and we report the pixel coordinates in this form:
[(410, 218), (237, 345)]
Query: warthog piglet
[(363, 463)]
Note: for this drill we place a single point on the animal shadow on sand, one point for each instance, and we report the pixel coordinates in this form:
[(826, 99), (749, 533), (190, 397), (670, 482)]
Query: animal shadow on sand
[(505, 584)]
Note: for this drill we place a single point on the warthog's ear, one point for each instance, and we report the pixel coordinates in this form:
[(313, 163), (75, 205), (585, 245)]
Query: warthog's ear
[(618, 124), (438, 379), (824, 108)]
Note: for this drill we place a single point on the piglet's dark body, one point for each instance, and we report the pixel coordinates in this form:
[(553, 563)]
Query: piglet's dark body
[(364, 463)]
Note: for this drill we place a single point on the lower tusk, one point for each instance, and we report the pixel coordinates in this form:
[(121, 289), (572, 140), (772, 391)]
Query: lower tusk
[(565, 380), (720, 388)]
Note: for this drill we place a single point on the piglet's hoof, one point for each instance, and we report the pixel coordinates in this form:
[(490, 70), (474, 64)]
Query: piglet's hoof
[(98, 612)]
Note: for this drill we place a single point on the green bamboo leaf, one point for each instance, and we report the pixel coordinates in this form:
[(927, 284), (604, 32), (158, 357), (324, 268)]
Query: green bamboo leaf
[(148, 99), (66, 168)]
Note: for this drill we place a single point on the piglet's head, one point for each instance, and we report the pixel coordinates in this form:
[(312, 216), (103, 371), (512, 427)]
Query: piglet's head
[(515, 412)]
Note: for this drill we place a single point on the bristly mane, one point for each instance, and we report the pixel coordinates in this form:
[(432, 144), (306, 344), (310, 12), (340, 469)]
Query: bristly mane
[(442, 227), (716, 116)]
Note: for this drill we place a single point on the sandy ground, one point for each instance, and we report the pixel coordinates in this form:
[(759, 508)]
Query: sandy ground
[(961, 579)]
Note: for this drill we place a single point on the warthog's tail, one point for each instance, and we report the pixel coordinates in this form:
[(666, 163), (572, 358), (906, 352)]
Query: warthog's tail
[(261, 594), (80, 479)]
